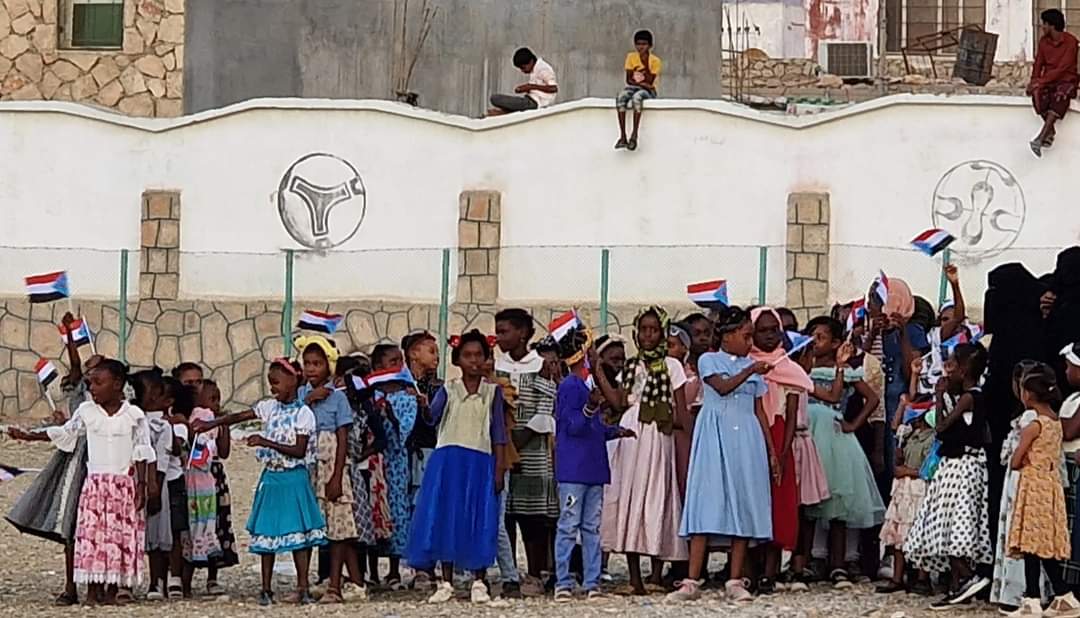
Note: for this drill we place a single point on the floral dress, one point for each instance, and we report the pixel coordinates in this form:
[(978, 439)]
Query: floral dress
[(1038, 523), (403, 404)]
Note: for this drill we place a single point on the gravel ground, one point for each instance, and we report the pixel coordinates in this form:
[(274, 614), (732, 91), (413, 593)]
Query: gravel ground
[(31, 573)]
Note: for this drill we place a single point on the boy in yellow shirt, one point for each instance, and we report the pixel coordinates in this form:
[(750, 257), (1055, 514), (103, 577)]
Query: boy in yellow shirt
[(642, 77)]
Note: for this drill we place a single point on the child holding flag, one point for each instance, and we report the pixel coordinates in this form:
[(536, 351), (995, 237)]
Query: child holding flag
[(285, 516)]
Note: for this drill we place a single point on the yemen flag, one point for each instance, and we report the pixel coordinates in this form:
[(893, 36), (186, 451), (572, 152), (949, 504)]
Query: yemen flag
[(80, 333), (709, 295), (564, 325), (319, 321), (933, 241), (881, 287), (46, 372), (47, 288), (857, 313)]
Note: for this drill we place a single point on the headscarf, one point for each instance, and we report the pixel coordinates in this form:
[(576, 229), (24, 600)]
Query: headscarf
[(302, 342), (785, 372), (1063, 323), (656, 399), (900, 299), (678, 330)]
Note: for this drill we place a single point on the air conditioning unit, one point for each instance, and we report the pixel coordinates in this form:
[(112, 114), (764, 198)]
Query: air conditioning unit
[(852, 59)]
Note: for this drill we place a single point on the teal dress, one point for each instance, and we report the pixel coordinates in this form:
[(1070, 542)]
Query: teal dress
[(854, 497)]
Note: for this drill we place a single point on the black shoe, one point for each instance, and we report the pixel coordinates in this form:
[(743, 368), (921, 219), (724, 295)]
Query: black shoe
[(619, 145), (969, 589), (840, 579), (922, 588), (511, 590), (890, 587), (766, 586), (632, 144), (266, 598)]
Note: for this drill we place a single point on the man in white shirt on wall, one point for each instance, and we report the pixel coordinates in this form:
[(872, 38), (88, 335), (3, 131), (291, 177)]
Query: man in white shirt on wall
[(538, 92)]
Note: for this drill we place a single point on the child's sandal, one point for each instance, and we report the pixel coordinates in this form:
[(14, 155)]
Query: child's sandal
[(331, 597), (66, 600)]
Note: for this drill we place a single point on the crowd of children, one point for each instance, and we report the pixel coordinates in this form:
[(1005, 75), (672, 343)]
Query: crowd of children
[(657, 447)]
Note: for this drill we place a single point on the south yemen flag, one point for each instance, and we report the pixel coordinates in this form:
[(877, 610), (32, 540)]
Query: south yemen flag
[(47, 288), (709, 295), (319, 321), (46, 372), (80, 333), (932, 242)]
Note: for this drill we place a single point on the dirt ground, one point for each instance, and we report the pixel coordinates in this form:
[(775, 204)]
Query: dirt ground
[(31, 573)]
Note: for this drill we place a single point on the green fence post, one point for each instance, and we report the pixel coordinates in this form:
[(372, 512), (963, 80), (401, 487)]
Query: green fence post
[(605, 270), (943, 287), (763, 274), (287, 305), (444, 313), (122, 335)]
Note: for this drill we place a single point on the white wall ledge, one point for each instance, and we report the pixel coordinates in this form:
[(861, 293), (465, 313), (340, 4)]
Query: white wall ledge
[(721, 107)]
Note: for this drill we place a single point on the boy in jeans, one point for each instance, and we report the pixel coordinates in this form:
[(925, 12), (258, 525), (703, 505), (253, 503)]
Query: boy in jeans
[(581, 469), (538, 92), (642, 77)]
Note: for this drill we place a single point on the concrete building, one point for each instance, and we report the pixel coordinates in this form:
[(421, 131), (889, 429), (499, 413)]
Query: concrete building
[(131, 56)]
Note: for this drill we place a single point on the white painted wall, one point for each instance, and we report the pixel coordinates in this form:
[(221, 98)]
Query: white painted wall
[(707, 173)]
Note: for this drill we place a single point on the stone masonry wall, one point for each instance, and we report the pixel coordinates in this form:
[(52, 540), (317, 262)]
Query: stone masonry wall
[(807, 254), (142, 78)]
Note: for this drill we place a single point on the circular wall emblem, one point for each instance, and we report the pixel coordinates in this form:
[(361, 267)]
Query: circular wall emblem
[(982, 204), (321, 200)]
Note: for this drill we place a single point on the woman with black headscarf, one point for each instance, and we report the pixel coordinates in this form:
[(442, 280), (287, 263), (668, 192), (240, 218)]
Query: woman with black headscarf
[(1012, 316), (1063, 319)]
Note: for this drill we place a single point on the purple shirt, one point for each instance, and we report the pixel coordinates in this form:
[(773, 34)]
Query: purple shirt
[(580, 451), (498, 420)]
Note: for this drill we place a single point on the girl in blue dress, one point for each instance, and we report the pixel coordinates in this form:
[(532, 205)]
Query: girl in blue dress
[(457, 510), (731, 460), (285, 516)]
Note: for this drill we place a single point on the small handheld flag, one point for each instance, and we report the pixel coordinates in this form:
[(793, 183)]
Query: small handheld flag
[(881, 287), (319, 321), (856, 314), (46, 372), (799, 342), (708, 295), (915, 410), (382, 376), (563, 325), (80, 333), (932, 241), (200, 454), (47, 288)]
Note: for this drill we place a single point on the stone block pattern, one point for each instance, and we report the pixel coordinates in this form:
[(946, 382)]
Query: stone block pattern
[(159, 264), (145, 77), (479, 239), (807, 254), (233, 341)]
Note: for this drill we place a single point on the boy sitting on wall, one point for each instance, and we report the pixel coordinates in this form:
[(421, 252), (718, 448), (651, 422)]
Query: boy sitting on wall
[(642, 77), (536, 93)]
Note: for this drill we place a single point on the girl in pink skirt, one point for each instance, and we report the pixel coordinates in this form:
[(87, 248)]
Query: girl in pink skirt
[(110, 535)]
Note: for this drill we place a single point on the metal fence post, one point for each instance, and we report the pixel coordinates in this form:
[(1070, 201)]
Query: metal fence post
[(287, 305), (763, 274), (123, 334), (605, 270), (943, 287), (444, 313)]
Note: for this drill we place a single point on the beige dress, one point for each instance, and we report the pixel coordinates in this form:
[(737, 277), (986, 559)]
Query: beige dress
[(1038, 522)]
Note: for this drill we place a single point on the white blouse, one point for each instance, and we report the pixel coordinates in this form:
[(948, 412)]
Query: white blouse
[(113, 443)]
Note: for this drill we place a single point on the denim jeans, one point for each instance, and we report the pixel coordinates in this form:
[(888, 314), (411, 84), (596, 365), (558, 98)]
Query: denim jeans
[(580, 508), (507, 569)]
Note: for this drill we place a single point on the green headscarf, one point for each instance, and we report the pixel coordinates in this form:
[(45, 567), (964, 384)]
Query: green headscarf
[(656, 399)]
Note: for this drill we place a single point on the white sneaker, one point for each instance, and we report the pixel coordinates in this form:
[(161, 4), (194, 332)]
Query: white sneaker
[(479, 592), (443, 593), (352, 592), (1065, 606), (1029, 607)]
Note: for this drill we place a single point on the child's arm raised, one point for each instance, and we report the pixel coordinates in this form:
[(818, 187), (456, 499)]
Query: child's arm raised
[(724, 385), (1027, 437), (202, 426), (951, 326)]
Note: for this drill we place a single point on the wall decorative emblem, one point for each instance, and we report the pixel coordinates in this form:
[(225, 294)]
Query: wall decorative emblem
[(982, 204), (321, 200)]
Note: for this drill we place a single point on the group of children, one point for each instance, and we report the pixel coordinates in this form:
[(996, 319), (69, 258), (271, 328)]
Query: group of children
[(588, 447)]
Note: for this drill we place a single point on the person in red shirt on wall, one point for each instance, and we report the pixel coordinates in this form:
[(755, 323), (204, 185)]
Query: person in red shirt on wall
[(1054, 77)]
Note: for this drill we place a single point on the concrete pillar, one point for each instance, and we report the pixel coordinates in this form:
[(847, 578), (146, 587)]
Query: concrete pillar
[(808, 254), (159, 263), (479, 239)]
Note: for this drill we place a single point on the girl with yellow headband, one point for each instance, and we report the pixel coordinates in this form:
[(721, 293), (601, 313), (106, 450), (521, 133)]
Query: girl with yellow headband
[(332, 485)]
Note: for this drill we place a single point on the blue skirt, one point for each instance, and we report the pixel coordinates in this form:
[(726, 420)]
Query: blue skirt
[(457, 511), (285, 516)]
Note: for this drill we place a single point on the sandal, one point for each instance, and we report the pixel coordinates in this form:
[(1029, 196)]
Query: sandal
[(331, 597), (632, 144), (123, 596), (66, 600), (840, 579), (622, 143), (299, 597), (395, 585)]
